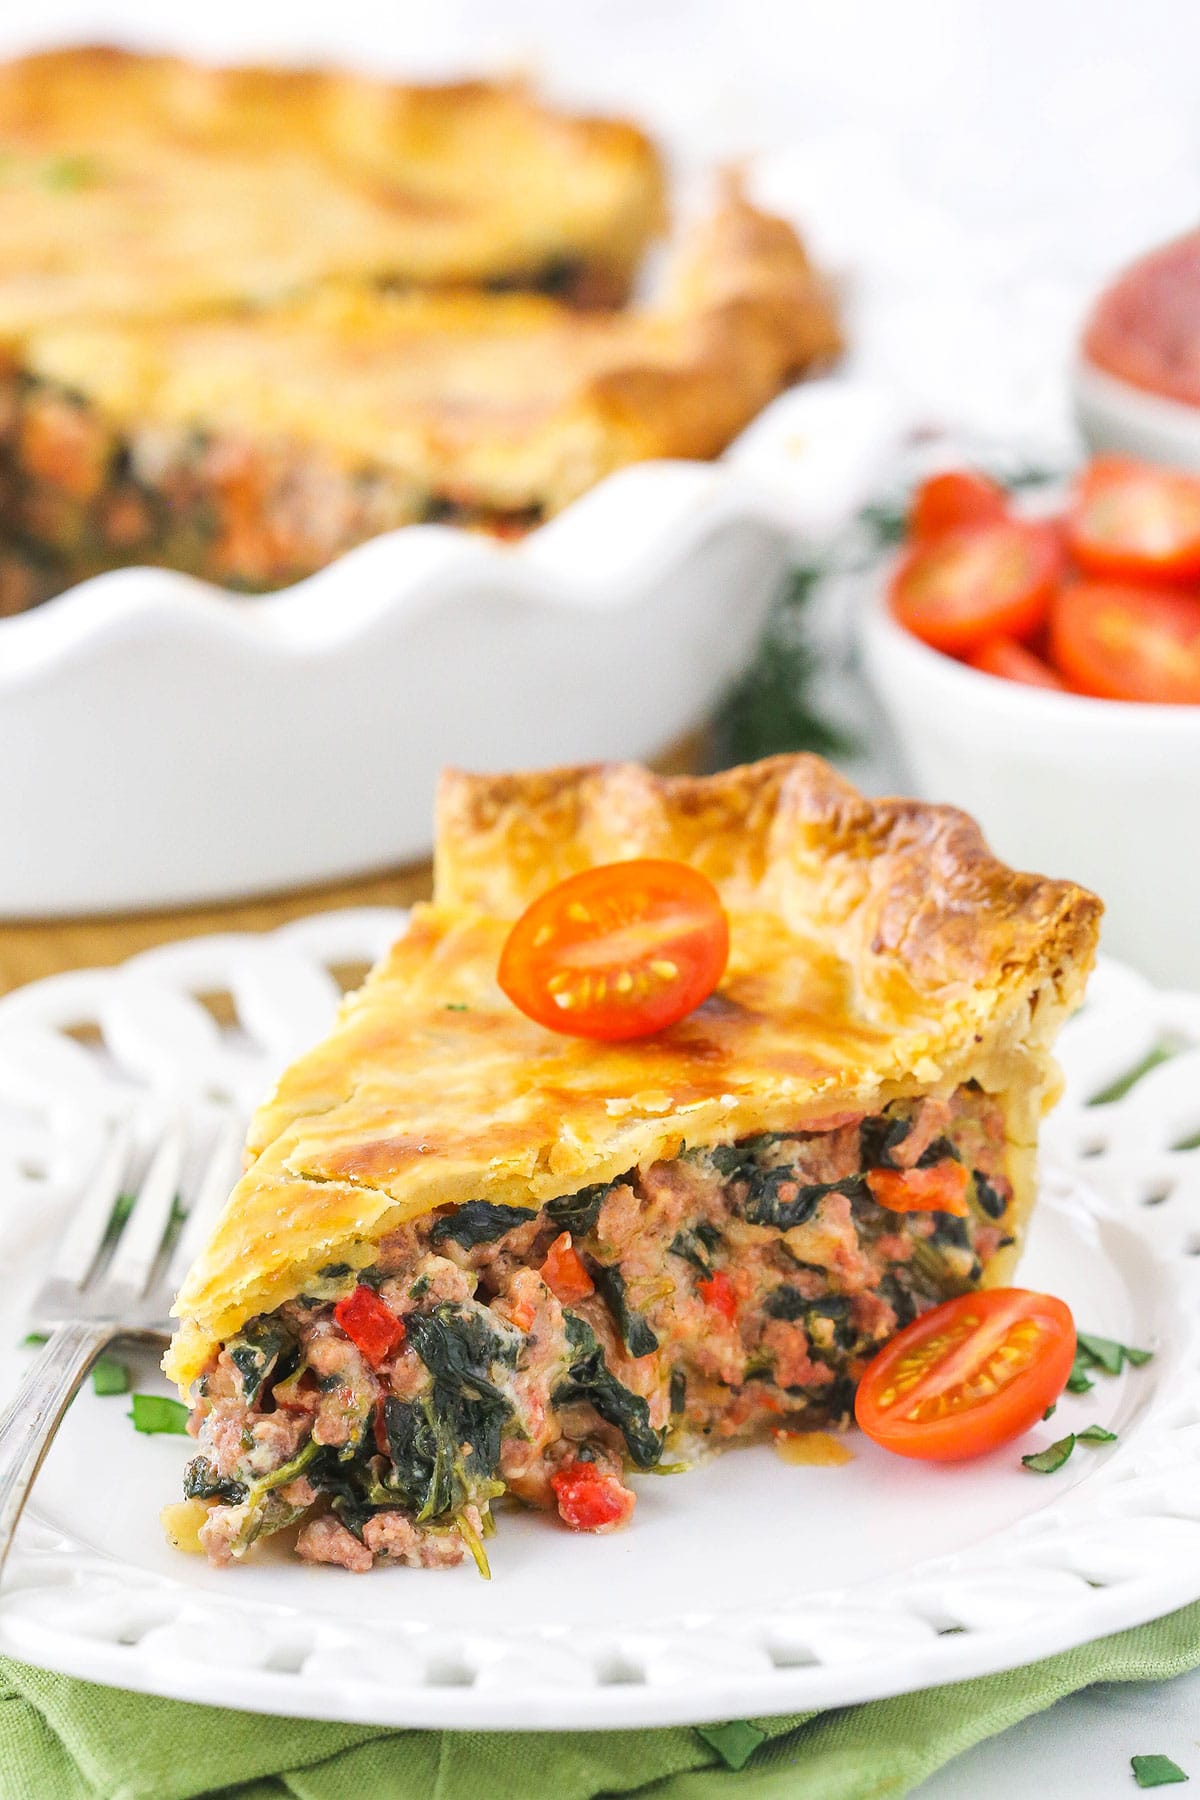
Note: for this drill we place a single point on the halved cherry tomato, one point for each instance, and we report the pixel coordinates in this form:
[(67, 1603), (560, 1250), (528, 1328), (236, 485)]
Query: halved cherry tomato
[(1128, 643), (977, 582), (957, 497), (968, 1375), (1132, 521), (718, 1292), (564, 1273), (618, 951), (370, 1325), (589, 1499), (1003, 656), (942, 1188)]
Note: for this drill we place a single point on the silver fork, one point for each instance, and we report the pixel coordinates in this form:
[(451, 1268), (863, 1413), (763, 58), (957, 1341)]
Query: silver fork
[(114, 1276)]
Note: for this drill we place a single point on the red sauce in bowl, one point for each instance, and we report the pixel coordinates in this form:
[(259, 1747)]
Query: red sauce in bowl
[(1145, 329)]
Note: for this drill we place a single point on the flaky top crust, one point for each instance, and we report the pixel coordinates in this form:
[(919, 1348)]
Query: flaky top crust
[(142, 186), (878, 949), (504, 402)]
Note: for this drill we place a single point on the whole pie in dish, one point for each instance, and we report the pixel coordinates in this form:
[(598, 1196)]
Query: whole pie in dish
[(473, 1257), (250, 318), (252, 449)]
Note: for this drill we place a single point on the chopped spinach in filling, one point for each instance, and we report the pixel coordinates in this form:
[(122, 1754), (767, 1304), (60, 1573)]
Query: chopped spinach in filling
[(740, 1288)]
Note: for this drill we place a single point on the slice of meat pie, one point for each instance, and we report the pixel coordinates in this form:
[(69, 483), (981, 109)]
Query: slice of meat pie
[(472, 1255)]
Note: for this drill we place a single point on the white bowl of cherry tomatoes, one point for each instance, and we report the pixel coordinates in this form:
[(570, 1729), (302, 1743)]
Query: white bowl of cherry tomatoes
[(1044, 674)]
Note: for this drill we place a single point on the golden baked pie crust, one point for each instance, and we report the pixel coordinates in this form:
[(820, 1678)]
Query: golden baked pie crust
[(501, 402), (878, 950), (247, 185)]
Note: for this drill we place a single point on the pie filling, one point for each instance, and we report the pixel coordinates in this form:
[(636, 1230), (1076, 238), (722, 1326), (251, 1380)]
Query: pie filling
[(731, 1292), (82, 495)]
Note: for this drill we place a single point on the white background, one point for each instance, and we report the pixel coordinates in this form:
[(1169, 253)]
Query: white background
[(972, 170)]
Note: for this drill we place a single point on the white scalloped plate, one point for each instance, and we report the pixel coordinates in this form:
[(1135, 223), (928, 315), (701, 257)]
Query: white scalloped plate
[(746, 1587)]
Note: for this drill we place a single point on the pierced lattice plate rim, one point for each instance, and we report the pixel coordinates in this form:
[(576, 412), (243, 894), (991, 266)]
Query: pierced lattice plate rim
[(748, 1587)]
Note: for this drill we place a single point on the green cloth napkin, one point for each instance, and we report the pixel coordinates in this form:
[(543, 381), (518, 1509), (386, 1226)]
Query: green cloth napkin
[(69, 1740)]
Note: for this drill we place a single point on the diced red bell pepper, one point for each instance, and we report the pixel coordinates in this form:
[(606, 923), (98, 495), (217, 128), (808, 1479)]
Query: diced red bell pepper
[(589, 1499), (943, 1188), (563, 1271), (718, 1292), (370, 1325)]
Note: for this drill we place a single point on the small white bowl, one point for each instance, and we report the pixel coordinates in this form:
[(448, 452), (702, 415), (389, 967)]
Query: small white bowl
[(1113, 415), (1102, 792)]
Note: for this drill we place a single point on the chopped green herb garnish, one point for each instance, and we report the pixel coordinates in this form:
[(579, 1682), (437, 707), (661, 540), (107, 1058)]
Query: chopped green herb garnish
[(1050, 1410), (455, 1006), (1050, 1460), (1079, 1381), (154, 1415), (734, 1743), (1105, 1354), (1156, 1771), (33, 1338), (109, 1376), (1102, 1353)]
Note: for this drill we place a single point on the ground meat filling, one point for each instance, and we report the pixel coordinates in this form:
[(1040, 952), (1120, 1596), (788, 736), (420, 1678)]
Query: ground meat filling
[(495, 1350), (81, 496)]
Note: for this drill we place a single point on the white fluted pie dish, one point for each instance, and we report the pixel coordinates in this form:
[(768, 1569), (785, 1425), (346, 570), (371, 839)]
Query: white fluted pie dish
[(165, 742)]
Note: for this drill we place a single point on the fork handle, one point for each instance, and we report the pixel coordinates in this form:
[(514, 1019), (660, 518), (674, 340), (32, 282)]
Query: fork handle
[(32, 1417)]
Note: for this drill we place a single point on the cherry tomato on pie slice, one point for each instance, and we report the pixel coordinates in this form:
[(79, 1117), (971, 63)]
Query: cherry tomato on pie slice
[(957, 497), (942, 1188), (968, 1375), (1128, 643), (618, 951), (1132, 521), (977, 582), (1003, 656)]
